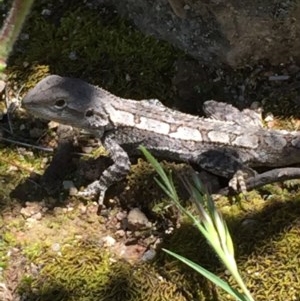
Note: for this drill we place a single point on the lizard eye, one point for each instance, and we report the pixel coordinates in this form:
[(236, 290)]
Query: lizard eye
[(89, 113), (60, 103)]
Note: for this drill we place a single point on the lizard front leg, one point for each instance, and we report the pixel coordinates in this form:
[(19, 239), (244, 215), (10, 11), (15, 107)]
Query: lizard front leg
[(112, 174)]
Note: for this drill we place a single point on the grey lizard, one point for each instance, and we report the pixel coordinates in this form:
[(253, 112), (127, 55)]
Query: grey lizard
[(225, 143)]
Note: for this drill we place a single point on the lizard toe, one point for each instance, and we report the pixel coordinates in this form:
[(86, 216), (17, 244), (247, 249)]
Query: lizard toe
[(92, 189), (238, 181)]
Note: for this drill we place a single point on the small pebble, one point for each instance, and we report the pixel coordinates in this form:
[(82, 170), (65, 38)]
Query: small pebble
[(86, 149), (30, 221), (73, 56), (34, 269), (249, 223), (56, 247), (148, 255), (137, 220), (2, 85), (46, 12), (108, 241), (278, 77), (121, 215), (82, 209), (73, 191), (269, 117), (120, 233), (37, 216), (127, 78), (67, 185), (53, 125), (24, 36)]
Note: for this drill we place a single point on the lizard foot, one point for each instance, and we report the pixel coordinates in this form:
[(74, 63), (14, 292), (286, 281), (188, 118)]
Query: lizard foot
[(92, 189), (238, 182)]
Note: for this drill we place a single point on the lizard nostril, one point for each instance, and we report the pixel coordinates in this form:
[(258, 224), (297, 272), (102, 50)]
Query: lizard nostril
[(89, 113), (60, 103)]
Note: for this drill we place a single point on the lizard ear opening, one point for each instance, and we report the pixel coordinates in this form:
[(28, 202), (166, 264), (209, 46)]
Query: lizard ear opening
[(89, 113), (60, 103)]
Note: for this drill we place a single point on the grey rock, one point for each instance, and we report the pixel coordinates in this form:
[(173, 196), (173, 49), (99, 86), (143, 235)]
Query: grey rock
[(137, 220), (220, 31)]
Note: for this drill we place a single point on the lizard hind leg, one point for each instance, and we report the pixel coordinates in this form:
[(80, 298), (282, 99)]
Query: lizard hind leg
[(226, 164), (226, 112)]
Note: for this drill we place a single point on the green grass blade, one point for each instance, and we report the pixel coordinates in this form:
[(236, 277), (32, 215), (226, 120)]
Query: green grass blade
[(156, 165), (210, 276), (210, 223)]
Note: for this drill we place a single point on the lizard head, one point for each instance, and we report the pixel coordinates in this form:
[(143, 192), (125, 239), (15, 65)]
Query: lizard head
[(69, 101)]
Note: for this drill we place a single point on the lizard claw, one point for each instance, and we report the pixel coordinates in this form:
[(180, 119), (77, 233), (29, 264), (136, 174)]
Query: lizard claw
[(91, 190), (238, 183)]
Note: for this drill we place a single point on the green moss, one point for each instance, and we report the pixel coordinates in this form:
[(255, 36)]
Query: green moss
[(266, 243), (142, 186), (84, 272), (3, 255), (268, 251), (266, 237), (106, 51), (33, 250)]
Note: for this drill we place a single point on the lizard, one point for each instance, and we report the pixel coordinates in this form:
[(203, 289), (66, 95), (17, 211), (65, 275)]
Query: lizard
[(228, 142)]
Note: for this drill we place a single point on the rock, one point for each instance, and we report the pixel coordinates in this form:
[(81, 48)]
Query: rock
[(2, 85), (108, 241), (67, 185), (82, 209), (53, 125), (219, 31), (131, 253), (137, 220), (121, 215), (56, 247), (87, 149), (73, 191), (32, 209), (37, 216), (148, 255), (36, 132), (120, 233)]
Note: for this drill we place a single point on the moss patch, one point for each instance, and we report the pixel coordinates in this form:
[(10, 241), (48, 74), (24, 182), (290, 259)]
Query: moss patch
[(96, 45), (85, 272), (265, 233)]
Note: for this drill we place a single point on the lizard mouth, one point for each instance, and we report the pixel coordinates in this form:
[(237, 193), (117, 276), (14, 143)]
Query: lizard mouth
[(48, 113)]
